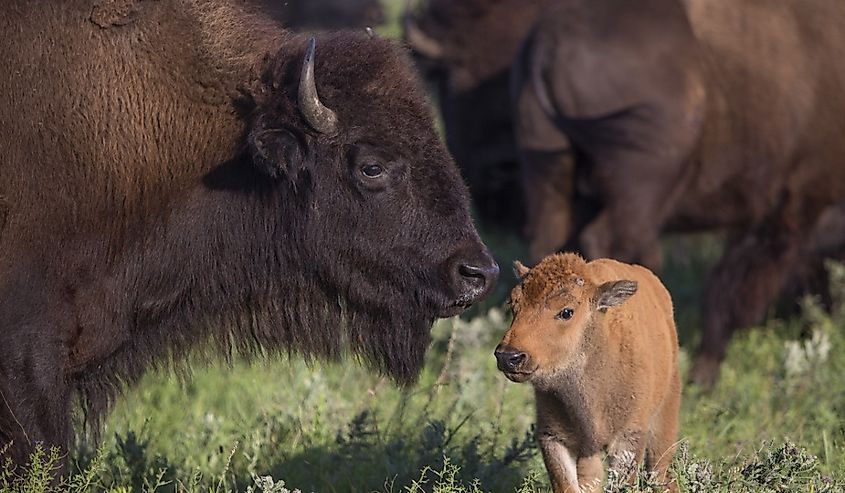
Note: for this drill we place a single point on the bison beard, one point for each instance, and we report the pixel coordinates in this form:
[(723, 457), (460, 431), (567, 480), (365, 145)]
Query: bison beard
[(274, 304)]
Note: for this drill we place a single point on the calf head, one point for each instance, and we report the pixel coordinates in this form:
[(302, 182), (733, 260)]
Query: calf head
[(557, 308)]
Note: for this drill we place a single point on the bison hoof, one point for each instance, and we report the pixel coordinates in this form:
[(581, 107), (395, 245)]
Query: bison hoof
[(705, 371)]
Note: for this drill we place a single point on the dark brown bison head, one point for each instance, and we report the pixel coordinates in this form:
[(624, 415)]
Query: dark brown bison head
[(374, 208)]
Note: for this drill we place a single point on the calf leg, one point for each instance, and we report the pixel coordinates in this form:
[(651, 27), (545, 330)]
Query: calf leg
[(590, 474), (625, 455), (660, 449), (561, 465)]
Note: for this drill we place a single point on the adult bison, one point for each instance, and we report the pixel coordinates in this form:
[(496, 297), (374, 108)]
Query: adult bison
[(179, 173), (663, 115), (467, 47)]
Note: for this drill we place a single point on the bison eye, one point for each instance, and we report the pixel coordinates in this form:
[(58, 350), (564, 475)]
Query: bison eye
[(372, 170), (565, 314)]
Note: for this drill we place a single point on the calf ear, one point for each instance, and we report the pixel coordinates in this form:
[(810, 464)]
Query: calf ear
[(277, 152), (520, 270), (614, 293)]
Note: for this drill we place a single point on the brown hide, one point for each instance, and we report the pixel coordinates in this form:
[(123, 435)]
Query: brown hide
[(606, 380)]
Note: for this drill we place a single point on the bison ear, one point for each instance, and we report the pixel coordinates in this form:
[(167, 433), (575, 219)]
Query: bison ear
[(614, 293), (520, 270), (277, 152)]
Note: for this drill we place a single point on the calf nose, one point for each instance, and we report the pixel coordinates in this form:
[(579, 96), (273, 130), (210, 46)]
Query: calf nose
[(509, 361), (474, 278)]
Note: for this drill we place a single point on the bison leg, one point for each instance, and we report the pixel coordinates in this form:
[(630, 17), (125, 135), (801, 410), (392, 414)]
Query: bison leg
[(547, 179), (34, 390), (747, 279), (548, 166), (628, 227)]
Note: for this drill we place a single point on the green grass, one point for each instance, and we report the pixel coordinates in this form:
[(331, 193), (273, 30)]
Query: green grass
[(773, 423)]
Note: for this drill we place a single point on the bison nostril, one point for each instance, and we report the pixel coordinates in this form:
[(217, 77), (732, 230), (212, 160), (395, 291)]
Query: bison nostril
[(480, 276), (510, 361), (472, 273), (472, 277)]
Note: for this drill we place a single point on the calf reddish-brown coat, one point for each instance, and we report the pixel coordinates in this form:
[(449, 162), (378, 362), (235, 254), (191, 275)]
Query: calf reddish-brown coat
[(598, 342)]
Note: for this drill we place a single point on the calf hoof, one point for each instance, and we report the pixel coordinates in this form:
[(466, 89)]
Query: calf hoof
[(705, 371)]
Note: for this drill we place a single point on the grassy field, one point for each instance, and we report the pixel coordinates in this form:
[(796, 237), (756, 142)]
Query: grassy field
[(773, 423)]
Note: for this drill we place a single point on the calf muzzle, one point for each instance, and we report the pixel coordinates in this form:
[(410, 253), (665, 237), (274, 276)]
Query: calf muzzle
[(509, 360)]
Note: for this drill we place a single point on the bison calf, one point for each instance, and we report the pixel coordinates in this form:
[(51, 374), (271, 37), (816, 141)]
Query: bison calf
[(597, 341)]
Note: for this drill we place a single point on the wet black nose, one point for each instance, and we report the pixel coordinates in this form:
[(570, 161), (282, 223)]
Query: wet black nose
[(474, 278), (479, 276), (508, 360)]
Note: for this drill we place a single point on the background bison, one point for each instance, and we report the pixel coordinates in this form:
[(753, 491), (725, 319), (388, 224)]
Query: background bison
[(179, 173), (635, 119), (678, 118), (466, 48)]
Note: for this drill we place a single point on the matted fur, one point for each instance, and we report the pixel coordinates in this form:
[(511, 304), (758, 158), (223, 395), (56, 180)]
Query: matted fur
[(552, 275)]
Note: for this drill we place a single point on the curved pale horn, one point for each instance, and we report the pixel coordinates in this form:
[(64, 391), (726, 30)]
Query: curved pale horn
[(318, 116), (421, 42)]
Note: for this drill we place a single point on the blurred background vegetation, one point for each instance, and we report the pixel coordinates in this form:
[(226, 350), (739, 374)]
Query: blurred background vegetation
[(772, 423)]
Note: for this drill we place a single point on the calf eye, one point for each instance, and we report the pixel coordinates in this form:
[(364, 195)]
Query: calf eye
[(372, 170), (565, 314)]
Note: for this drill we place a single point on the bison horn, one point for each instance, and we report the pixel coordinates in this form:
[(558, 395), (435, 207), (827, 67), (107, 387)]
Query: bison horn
[(316, 114), (421, 42)]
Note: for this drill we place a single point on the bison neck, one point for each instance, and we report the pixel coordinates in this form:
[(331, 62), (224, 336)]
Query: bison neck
[(217, 272)]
